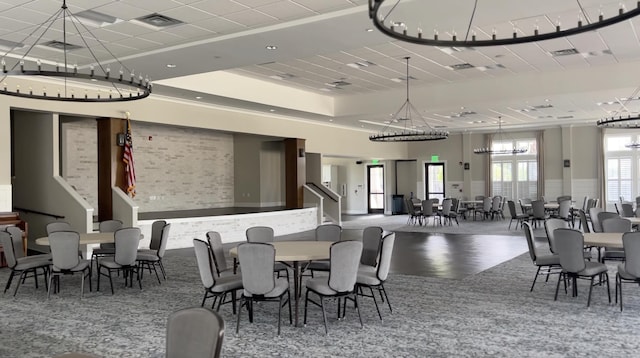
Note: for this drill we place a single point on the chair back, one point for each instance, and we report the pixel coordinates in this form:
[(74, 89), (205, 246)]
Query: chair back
[(126, 240), (564, 209), (585, 203), (570, 246), (156, 234), (455, 205), (260, 234), (595, 222), (512, 209), (58, 226), (16, 236), (109, 226), (631, 244), (583, 221), (591, 203), (617, 224), (386, 250), (604, 215), (528, 234), (627, 210), (164, 239), (257, 260), (411, 209), (550, 225), (344, 261), (637, 201), (328, 232), (217, 251), (496, 202), (537, 209), (9, 252), (64, 249), (205, 264), (486, 204), (446, 207), (563, 198), (427, 207), (371, 245), (195, 332)]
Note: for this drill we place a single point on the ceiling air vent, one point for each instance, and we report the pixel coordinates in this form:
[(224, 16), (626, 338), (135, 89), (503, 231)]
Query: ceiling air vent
[(361, 64), (403, 79), (564, 117), (60, 46), (564, 52), (96, 19), (337, 84), (159, 21), (282, 76), (461, 66), (543, 106)]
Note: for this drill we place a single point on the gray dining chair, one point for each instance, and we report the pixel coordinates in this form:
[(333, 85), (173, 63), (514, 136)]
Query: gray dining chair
[(549, 262), (629, 271), (65, 260), (593, 216), (341, 282), (616, 225), (257, 260), (538, 212), (265, 234), (215, 287), (371, 237), (214, 239), (516, 215), (570, 244), (58, 226), (156, 236), (377, 278), (124, 260), (195, 332), (106, 249), (24, 266), (151, 260), (325, 232)]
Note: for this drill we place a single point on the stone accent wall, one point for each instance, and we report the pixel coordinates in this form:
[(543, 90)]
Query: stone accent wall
[(80, 158), (176, 168)]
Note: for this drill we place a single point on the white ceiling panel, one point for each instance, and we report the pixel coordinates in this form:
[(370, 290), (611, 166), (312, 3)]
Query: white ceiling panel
[(188, 14), (155, 6), (220, 25), (219, 7), (122, 10), (251, 18), (324, 5), (285, 10)]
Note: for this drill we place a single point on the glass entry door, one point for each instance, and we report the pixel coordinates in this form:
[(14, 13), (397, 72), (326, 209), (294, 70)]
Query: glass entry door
[(375, 178), (434, 181)]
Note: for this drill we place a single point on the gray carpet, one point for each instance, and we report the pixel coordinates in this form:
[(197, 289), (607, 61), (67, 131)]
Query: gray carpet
[(488, 314)]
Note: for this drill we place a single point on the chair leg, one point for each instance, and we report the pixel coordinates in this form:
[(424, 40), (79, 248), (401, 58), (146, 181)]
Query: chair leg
[(280, 313), (23, 275), (6, 287), (560, 277), (239, 312), (324, 315), (164, 274), (590, 289), (606, 275), (355, 298), (49, 290), (306, 301), (289, 303), (110, 281), (386, 297), (375, 301), (82, 277), (534, 279), (233, 301)]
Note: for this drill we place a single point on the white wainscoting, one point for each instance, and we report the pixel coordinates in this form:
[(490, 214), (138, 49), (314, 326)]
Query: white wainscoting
[(232, 227), (553, 189), (477, 188)]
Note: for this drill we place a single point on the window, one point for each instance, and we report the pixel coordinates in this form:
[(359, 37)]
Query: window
[(515, 176), (621, 167)]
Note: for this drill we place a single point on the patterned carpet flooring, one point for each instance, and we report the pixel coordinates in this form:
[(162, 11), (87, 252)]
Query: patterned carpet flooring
[(487, 314)]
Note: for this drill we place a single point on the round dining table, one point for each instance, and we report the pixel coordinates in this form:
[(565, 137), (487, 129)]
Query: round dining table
[(87, 240), (296, 252)]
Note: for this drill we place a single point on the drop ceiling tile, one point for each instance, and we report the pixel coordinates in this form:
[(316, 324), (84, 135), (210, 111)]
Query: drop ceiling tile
[(122, 10), (188, 14), (190, 32), (285, 10), (156, 6), (219, 7), (324, 5), (137, 43), (130, 28), (107, 35), (220, 25), (165, 38), (251, 18), (256, 3)]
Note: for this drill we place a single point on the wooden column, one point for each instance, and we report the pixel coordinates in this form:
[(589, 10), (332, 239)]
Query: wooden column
[(110, 165), (295, 172)]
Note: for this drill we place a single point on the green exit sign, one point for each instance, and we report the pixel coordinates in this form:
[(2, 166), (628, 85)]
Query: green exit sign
[(375, 161), (435, 158)]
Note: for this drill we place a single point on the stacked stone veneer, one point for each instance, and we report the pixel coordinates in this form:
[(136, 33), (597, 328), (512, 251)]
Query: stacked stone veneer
[(177, 168)]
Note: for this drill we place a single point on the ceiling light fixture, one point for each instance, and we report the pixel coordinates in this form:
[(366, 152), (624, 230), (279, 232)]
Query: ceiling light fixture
[(382, 17), (629, 122), (633, 145), (409, 133), (71, 72), (271, 47), (171, 65), (499, 137)]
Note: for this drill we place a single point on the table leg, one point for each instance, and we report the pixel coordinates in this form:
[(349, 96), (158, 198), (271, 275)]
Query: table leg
[(296, 289)]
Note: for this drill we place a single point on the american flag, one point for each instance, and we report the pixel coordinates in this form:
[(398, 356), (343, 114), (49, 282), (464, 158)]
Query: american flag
[(127, 158)]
